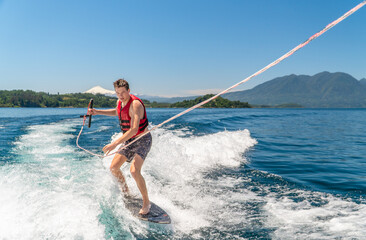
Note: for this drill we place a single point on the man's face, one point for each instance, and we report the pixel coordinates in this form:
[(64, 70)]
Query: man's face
[(122, 94)]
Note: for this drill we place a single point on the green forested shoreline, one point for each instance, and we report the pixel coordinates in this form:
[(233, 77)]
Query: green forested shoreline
[(28, 98)]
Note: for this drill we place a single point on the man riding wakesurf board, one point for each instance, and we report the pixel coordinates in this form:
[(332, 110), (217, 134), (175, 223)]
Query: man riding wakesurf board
[(133, 121)]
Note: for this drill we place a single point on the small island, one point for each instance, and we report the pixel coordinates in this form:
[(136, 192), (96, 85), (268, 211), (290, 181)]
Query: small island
[(219, 102)]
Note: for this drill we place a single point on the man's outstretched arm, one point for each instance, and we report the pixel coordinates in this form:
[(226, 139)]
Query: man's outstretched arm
[(107, 112)]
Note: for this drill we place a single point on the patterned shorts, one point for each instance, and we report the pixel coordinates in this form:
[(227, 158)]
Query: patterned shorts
[(140, 147)]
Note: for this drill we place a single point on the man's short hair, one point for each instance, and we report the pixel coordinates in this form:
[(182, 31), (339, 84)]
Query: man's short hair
[(121, 83)]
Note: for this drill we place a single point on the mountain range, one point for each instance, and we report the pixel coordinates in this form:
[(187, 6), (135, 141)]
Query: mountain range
[(363, 81), (322, 90), (325, 89)]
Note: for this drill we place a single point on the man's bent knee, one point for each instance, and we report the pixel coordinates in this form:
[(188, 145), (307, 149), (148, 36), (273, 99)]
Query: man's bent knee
[(134, 172), (117, 162)]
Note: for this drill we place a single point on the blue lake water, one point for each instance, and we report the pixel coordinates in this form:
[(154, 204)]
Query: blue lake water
[(219, 173)]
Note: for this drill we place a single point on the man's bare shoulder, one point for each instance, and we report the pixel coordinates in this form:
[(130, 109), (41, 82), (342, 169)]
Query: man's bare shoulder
[(136, 108), (136, 104)]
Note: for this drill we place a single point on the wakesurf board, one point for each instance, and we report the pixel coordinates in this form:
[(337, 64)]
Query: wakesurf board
[(156, 214)]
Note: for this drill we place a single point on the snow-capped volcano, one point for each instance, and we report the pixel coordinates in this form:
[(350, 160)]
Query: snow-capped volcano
[(100, 90)]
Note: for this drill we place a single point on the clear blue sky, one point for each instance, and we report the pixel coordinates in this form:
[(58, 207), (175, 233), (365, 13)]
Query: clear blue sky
[(171, 47)]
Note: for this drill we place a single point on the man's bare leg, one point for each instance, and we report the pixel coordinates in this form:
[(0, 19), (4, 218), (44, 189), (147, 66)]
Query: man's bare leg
[(135, 169), (116, 164)]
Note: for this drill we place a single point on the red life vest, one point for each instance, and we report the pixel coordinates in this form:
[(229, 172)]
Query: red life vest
[(125, 119)]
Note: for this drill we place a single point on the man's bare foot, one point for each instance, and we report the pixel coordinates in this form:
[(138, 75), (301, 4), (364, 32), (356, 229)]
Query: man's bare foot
[(145, 209)]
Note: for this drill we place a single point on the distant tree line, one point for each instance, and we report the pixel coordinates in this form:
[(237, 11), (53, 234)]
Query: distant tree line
[(28, 98), (285, 105)]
